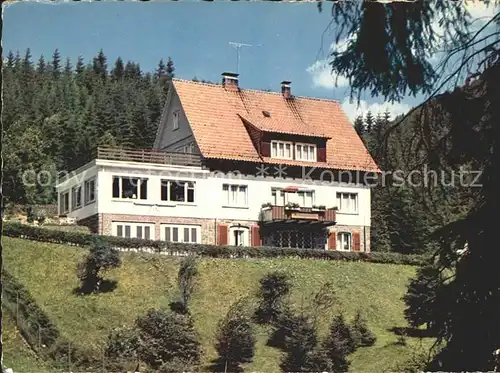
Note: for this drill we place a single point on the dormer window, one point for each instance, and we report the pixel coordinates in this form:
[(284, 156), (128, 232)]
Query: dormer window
[(175, 120), (281, 149), (305, 152)]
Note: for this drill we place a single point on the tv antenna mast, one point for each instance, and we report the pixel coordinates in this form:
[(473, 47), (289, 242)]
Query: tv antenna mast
[(238, 46)]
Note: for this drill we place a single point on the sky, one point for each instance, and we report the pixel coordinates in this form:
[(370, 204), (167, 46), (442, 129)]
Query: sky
[(289, 41)]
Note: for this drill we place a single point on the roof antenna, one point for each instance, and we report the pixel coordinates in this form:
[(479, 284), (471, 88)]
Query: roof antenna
[(238, 46)]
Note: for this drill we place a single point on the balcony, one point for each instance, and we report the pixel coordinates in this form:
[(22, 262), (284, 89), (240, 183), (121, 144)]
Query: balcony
[(147, 156), (302, 215)]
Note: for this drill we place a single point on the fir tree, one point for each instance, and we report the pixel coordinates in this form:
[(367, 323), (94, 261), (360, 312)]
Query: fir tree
[(118, 70), (100, 65), (359, 126), (10, 60), (41, 66), (160, 70), (80, 66), (56, 63), (369, 121), (170, 68), (68, 69)]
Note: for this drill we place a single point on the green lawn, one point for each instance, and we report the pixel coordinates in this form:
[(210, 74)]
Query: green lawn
[(16, 353), (144, 281)]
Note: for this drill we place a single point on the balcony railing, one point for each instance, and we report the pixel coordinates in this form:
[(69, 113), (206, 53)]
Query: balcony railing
[(148, 156), (283, 213)]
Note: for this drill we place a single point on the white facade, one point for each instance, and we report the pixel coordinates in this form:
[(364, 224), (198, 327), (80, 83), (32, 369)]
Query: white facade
[(216, 195)]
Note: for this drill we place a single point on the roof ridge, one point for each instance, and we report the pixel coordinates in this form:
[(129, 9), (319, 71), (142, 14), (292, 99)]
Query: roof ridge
[(256, 90)]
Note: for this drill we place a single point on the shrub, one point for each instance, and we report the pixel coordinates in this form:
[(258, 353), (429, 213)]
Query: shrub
[(341, 337), (362, 335), (30, 215), (299, 342), (165, 337), (235, 339), (273, 288), (101, 257), (121, 349), (12, 229), (186, 279)]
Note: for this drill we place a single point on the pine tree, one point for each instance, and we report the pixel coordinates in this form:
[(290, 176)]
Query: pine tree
[(362, 335), (41, 66), (160, 70), (100, 65), (80, 66), (10, 60), (359, 126), (170, 68), (56, 63), (68, 69), (369, 121), (118, 70)]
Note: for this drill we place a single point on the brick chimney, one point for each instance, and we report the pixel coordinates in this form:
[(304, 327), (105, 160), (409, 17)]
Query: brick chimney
[(230, 81), (285, 89)]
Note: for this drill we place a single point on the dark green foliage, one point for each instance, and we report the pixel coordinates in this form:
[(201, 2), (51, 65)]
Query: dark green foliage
[(341, 336), (274, 287), (165, 337), (362, 335), (55, 115), (186, 279), (101, 257), (214, 251), (422, 296), (121, 349), (299, 342), (359, 126), (235, 340)]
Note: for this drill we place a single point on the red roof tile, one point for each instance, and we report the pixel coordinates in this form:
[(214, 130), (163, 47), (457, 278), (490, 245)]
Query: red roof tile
[(215, 115)]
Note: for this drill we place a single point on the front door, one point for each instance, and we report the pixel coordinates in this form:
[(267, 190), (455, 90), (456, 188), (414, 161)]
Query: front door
[(239, 236)]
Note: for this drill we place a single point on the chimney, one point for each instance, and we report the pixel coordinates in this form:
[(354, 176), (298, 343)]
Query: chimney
[(230, 81), (285, 89)]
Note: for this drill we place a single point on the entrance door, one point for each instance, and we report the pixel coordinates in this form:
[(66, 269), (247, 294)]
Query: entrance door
[(239, 236)]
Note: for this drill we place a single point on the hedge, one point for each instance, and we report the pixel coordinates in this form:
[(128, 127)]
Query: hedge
[(214, 251)]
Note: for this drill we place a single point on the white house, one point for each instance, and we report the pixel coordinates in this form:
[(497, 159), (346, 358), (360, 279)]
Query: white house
[(232, 166)]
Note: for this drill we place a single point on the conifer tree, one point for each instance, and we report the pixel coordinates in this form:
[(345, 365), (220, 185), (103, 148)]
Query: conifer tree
[(118, 70), (56, 63), (41, 66), (359, 126), (369, 121), (170, 68), (80, 66)]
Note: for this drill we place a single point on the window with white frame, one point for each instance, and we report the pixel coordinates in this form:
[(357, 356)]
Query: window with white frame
[(239, 236), (76, 197), (344, 241), (130, 187), (177, 191), (305, 152), (235, 195), (189, 148), (278, 197), (281, 149), (143, 231), (64, 202), (305, 198), (347, 203), (180, 233), (89, 187), (175, 120)]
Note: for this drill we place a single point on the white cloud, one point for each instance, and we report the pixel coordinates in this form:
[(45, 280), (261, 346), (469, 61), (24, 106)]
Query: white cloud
[(321, 72), (352, 109), (480, 10)]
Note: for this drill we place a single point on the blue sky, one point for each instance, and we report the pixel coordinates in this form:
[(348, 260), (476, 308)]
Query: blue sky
[(286, 38)]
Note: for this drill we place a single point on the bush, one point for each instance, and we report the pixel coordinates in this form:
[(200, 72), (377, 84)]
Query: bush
[(30, 215), (165, 337), (235, 339), (12, 229), (121, 349), (101, 257), (362, 335), (186, 279), (273, 289), (341, 337)]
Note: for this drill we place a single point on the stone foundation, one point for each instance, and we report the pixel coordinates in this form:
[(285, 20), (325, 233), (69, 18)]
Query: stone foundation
[(364, 232)]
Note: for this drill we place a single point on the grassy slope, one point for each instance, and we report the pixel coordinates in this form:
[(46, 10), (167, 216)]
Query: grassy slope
[(146, 281), (16, 354)]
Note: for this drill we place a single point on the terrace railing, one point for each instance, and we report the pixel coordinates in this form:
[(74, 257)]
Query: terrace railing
[(147, 156)]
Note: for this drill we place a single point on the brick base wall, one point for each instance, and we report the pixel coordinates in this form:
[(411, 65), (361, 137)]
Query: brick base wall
[(364, 232), (102, 223)]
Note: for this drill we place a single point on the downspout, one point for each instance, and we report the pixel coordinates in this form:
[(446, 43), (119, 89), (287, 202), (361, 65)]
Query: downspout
[(215, 231)]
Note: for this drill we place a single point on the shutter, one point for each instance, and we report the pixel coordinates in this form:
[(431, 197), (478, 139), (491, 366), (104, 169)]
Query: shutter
[(256, 236), (265, 148), (222, 236), (332, 241), (322, 154), (356, 241)]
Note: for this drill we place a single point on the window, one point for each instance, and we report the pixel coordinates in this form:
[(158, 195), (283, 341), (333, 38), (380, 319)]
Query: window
[(343, 241), (305, 198), (305, 152), (64, 202), (235, 195), (133, 230), (76, 197), (347, 203), (175, 120), (177, 191), (89, 187), (278, 197), (239, 236), (130, 187), (281, 149), (189, 148), (180, 233)]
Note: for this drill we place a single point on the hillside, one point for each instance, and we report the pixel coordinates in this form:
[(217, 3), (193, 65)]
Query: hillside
[(49, 273)]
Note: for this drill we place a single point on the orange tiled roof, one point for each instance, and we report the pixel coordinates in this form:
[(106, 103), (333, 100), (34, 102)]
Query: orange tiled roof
[(215, 115)]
